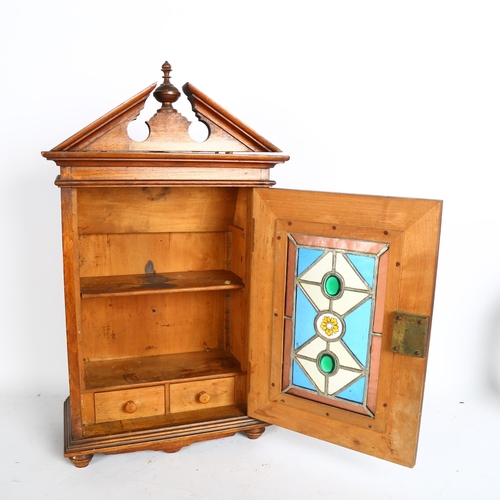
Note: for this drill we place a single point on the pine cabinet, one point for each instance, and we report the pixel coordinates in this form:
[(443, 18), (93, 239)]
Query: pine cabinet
[(200, 301)]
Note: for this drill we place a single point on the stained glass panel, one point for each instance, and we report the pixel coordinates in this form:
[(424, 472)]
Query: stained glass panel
[(334, 349)]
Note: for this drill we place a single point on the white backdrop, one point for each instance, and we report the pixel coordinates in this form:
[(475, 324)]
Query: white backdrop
[(388, 98)]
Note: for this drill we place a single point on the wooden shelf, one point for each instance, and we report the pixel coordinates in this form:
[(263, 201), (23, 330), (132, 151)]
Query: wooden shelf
[(156, 369), (141, 284)]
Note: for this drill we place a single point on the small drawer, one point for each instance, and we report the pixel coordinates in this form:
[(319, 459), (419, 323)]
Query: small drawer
[(201, 394), (130, 403)]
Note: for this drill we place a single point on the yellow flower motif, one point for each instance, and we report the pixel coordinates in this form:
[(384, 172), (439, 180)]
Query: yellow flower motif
[(330, 325)]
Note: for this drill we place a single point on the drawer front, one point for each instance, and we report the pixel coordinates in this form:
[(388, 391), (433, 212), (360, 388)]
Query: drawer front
[(201, 394), (130, 403)]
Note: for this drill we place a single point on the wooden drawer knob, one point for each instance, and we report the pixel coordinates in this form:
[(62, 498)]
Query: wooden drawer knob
[(130, 407), (203, 397)]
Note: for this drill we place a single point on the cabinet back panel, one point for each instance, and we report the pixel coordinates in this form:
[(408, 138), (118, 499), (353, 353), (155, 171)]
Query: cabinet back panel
[(118, 254), (140, 325), (155, 209)]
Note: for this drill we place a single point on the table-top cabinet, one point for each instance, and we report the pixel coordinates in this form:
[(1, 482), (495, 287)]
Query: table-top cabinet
[(200, 301)]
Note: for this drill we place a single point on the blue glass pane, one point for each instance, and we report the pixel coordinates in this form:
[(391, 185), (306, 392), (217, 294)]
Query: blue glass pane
[(357, 331), (304, 319), (365, 266), (355, 392), (306, 257), (299, 378)]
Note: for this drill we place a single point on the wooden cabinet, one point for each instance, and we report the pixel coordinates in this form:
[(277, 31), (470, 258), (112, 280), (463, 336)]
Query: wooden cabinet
[(200, 303)]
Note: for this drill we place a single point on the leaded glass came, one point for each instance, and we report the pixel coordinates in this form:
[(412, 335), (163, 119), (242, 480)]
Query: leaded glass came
[(335, 339)]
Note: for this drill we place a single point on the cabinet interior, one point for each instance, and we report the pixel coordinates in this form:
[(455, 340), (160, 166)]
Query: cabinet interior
[(162, 291)]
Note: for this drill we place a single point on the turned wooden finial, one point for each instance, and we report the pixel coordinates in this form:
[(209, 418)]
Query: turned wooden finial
[(166, 93)]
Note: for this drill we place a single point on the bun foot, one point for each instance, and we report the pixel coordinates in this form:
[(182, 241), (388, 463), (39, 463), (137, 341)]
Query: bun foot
[(81, 461), (255, 433)]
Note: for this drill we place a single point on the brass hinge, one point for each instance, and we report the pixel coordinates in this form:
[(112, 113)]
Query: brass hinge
[(409, 334)]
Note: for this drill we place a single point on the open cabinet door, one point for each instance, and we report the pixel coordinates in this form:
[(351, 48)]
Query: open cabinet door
[(341, 297)]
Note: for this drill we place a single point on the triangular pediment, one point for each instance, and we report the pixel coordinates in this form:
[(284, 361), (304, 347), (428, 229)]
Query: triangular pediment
[(168, 129), (103, 153)]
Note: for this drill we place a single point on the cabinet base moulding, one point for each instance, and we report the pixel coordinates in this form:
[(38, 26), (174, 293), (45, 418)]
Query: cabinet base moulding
[(170, 438)]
